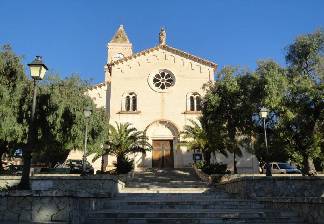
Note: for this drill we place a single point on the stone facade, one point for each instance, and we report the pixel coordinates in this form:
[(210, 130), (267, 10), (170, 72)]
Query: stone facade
[(158, 91)]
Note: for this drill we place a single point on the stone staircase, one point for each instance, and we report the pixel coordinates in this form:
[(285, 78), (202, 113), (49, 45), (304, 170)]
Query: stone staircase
[(178, 197)]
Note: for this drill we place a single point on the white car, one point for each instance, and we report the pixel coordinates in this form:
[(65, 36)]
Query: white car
[(282, 168)]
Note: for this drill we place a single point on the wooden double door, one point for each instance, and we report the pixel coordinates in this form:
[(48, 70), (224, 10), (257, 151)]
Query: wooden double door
[(162, 155)]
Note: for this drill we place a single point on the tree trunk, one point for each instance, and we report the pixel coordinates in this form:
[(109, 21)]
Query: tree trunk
[(27, 150), (102, 163), (309, 168), (235, 167), (3, 149), (207, 156), (1, 153), (24, 182), (119, 159)]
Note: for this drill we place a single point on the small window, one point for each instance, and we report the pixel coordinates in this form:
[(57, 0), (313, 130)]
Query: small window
[(129, 102), (198, 103), (194, 102), (134, 103)]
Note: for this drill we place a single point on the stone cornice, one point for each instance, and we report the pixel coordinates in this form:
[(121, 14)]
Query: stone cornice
[(192, 112), (169, 49), (99, 85), (129, 112)]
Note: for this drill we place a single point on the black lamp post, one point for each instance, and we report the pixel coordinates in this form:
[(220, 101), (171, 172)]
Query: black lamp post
[(37, 72), (264, 114), (87, 112)]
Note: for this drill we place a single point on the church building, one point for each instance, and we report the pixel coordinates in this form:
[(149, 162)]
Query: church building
[(158, 91)]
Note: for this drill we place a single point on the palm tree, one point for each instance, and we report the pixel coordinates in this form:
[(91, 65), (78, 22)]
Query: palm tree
[(196, 138), (124, 139)]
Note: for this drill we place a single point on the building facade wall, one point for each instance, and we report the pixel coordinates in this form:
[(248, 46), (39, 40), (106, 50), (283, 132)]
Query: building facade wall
[(133, 76), (162, 115)]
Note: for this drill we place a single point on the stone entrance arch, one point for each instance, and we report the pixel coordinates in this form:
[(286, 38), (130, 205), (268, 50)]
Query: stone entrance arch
[(163, 136), (162, 129)]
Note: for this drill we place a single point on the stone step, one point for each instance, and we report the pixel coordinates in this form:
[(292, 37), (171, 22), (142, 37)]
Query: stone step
[(154, 190), (143, 185), (190, 213), (172, 196), (34, 222), (173, 182), (281, 220), (164, 178), (178, 197), (216, 207), (181, 204)]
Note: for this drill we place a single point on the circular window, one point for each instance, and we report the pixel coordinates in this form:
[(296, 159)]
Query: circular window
[(161, 80)]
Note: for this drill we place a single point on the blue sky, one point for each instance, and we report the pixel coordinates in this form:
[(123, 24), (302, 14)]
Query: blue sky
[(72, 35)]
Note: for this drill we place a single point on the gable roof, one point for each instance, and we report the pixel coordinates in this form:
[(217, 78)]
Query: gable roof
[(169, 49), (120, 36)]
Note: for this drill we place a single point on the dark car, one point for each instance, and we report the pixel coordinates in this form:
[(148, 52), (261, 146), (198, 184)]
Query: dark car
[(76, 166)]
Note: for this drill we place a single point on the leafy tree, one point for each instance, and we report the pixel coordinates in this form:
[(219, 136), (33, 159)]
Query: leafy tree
[(61, 120), (195, 137), (272, 86), (222, 113), (303, 120), (124, 139), (98, 134), (13, 87)]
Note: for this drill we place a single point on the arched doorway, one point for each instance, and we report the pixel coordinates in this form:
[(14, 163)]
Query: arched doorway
[(164, 136)]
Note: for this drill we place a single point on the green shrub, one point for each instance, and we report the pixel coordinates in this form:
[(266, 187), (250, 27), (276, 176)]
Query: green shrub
[(213, 168), (124, 165), (200, 164)]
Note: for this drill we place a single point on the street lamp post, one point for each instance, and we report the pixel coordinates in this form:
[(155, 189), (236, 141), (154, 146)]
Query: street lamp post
[(264, 114), (105, 151), (37, 72), (87, 112)]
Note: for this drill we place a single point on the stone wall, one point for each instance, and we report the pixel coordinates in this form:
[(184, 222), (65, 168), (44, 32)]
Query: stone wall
[(48, 206), (202, 176), (56, 198), (90, 184), (222, 178), (276, 186), (7, 181), (312, 209), (305, 195)]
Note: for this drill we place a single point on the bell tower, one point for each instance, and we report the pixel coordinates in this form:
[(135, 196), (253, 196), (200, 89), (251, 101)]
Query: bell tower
[(119, 46)]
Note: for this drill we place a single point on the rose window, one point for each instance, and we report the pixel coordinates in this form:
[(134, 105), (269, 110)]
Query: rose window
[(163, 80)]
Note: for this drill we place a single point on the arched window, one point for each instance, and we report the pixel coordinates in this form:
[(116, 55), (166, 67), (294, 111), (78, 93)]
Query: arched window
[(198, 103), (193, 102), (129, 102), (134, 103)]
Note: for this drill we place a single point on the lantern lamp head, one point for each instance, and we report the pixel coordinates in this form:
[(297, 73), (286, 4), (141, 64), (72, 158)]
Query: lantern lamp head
[(37, 68), (264, 112), (87, 111)]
